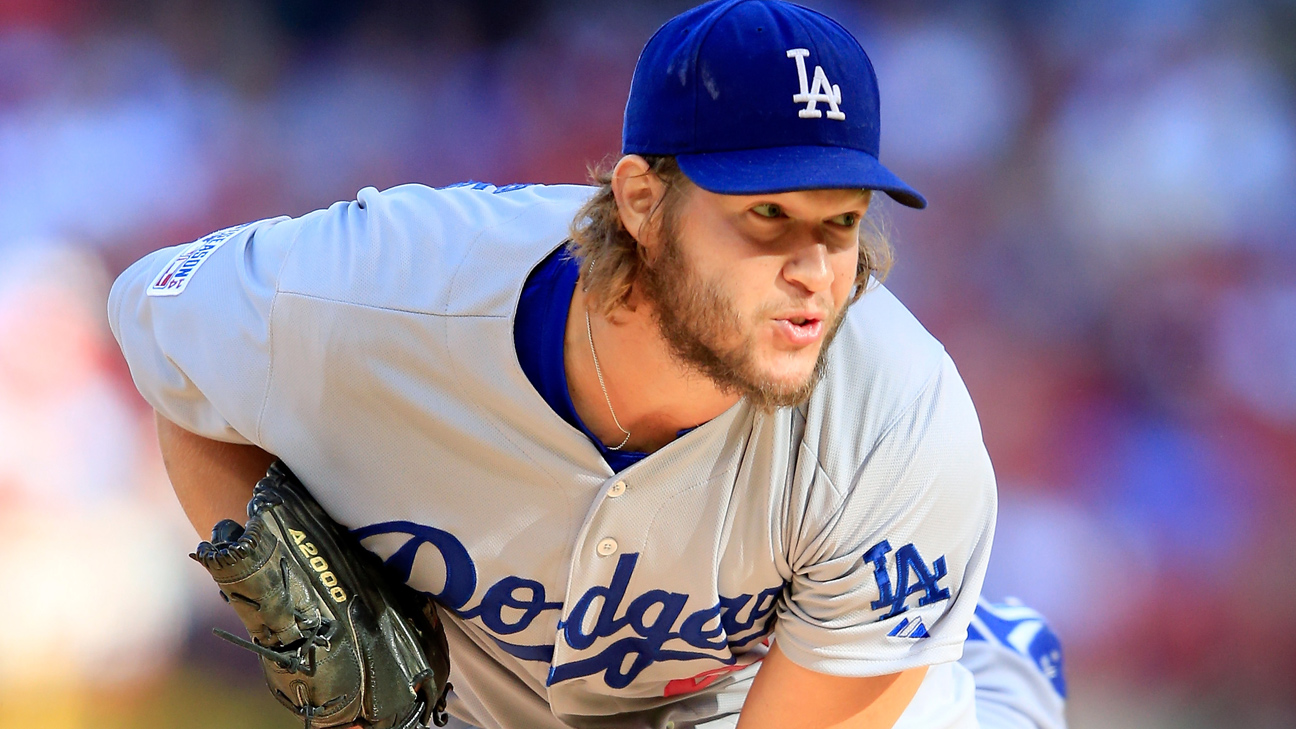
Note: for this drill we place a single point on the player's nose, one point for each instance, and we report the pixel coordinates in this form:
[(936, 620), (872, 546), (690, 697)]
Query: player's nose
[(808, 267)]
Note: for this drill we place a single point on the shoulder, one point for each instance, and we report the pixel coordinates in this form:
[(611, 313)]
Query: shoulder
[(892, 429), (884, 347), (424, 249), (467, 209), (892, 419), (880, 365)]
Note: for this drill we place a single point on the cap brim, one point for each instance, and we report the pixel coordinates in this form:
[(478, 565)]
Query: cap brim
[(785, 169)]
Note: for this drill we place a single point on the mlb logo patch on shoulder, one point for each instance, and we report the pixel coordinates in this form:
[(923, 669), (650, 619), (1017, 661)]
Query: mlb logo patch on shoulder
[(175, 277)]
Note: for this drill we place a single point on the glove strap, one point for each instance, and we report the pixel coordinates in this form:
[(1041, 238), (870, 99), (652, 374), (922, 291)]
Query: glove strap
[(301, 660)]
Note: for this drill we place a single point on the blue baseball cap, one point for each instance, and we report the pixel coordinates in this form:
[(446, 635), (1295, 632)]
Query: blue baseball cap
[(760, 96)]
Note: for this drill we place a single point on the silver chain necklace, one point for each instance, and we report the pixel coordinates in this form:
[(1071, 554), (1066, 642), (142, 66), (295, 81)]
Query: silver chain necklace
[(589, 334)]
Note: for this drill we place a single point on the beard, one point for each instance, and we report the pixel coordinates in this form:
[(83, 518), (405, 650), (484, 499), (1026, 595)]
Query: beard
[(699, 323)]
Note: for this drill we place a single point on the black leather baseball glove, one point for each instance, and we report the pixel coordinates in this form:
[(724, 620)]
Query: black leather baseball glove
[(341, 643)]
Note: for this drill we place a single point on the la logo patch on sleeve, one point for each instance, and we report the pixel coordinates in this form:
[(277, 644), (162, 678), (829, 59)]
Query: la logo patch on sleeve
[(176, 275)]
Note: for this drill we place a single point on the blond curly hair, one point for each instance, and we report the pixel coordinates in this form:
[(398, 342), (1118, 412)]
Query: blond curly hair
[(597, 236)]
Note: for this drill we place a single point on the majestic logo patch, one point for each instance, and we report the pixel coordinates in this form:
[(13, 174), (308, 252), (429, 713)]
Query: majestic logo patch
[(907, 628), (820, 91), (175, 277)]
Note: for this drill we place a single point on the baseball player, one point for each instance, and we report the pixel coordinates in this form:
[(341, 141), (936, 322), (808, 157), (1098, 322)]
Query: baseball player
[(663, 449)]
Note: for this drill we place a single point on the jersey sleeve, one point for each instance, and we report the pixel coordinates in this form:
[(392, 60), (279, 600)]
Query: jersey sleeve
[(887, 578), (193, 322)]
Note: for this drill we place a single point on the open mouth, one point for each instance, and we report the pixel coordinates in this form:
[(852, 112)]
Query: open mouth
[(801, 330)]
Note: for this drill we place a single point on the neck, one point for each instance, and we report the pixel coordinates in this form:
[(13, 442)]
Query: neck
[(654, 396)]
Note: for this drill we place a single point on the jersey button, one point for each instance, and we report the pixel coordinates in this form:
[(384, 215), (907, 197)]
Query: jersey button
[(617, 489), (607, 547)]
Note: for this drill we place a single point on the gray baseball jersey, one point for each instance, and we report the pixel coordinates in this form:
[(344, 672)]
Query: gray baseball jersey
[(370, 345)]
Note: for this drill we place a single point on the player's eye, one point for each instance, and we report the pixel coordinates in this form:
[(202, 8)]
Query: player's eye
[(846, 220), (768, 210)]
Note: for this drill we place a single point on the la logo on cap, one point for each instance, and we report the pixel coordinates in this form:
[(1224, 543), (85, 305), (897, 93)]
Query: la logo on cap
[(822, 90), (711, 89)]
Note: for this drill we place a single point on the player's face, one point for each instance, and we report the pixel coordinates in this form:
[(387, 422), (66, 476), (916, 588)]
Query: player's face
[(750, 290)]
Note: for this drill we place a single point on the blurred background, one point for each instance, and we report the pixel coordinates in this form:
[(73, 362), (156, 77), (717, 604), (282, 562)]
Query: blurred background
[(1109, 255)]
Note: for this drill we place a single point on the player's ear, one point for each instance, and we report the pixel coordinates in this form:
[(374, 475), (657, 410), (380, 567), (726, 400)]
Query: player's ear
[(638, 192)]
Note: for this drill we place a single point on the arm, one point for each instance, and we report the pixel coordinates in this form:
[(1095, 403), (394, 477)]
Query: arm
[(213, 480), (200, 356), (787, 696)]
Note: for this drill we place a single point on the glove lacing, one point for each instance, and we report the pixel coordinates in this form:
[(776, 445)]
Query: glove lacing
[(299, 659)]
